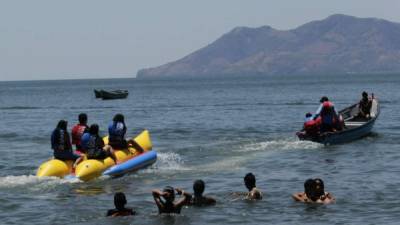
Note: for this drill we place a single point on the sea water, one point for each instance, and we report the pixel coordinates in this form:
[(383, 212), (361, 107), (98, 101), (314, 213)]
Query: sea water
[(212, 129)]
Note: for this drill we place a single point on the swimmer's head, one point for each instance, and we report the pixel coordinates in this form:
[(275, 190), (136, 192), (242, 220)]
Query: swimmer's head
[(319, 187), (308, 187), (250, 181), (308, 115), (198, 187), (169, 194), (119, 200)]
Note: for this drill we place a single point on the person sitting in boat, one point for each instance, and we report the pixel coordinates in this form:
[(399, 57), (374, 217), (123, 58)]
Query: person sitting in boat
[(117, 130), (311, 126), (120, 210), (168, 205), (250, 183), (330, 121), (198, 199), (78, 130), (364, 106), (94, 145), (61, 144), (314, 193)]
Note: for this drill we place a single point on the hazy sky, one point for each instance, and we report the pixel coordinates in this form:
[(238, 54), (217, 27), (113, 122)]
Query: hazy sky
[(71, 39)]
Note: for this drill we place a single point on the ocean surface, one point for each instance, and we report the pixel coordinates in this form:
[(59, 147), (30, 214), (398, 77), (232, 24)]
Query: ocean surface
[(216, 130)]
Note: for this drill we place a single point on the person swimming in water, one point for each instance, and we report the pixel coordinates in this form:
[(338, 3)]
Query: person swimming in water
[(250, 183), (198, 199), (168, 205), (120, 210), (314, 193)]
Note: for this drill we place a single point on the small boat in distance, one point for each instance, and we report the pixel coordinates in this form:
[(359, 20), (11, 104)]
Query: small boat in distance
[(107, 95), (354, 128)]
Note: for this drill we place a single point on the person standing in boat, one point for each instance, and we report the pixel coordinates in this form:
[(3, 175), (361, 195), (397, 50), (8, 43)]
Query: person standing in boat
[(94, 145), (61, 144), (78, 130), (116, 135), (364, 106)]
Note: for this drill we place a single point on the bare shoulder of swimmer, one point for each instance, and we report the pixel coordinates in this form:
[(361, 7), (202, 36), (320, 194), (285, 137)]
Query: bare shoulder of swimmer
[(299, 197), (329, 198), (255, 194)]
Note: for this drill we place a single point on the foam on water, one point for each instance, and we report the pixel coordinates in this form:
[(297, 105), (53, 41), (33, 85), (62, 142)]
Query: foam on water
[(167, 161), (284, 144), (32, 181)]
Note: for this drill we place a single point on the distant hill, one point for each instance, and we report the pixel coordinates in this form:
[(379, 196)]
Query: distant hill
[(337, 44)]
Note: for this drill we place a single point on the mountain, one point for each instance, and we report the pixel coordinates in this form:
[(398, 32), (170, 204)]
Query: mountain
[(337, 44)]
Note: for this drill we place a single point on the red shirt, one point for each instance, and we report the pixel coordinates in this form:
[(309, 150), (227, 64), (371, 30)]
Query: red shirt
[(77, 132)]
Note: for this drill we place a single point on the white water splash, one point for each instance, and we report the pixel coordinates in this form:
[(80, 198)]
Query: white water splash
[(167, 161), (32, 181), (278, 145)]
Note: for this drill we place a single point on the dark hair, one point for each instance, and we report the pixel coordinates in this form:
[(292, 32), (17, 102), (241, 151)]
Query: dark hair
[(198, 187), (62, 124), (119, 200), (250, 180), (82, 118), (323, 99), (365, 94), (308, 115), (171, 191), (308, 187), (94, 129), (319, 187), (118, 118)]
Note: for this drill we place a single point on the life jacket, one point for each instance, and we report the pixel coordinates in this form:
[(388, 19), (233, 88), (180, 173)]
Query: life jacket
[(77, 132), (328, 115), (311, 127), (116, 131), (94, 145), (60, 140)]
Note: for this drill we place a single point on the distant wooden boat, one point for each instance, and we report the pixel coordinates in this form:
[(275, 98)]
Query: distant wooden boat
[(97, 93), (107, 95), (355, 127)]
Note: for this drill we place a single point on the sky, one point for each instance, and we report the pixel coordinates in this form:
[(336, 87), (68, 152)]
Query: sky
[(85, 39)]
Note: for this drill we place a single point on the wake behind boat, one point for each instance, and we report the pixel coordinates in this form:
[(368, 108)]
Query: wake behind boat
[(354, 126)]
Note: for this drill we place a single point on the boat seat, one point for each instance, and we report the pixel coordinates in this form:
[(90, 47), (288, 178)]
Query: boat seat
[(354, 123)]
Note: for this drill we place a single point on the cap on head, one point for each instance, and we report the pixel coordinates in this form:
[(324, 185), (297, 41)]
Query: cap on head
[(119, 200), (94, 129), (82, 118), (250, 181), (198, 187), (323, 99)]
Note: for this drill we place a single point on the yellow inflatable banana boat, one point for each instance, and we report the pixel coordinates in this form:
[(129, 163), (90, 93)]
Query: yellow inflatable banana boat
[(128, 160)]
